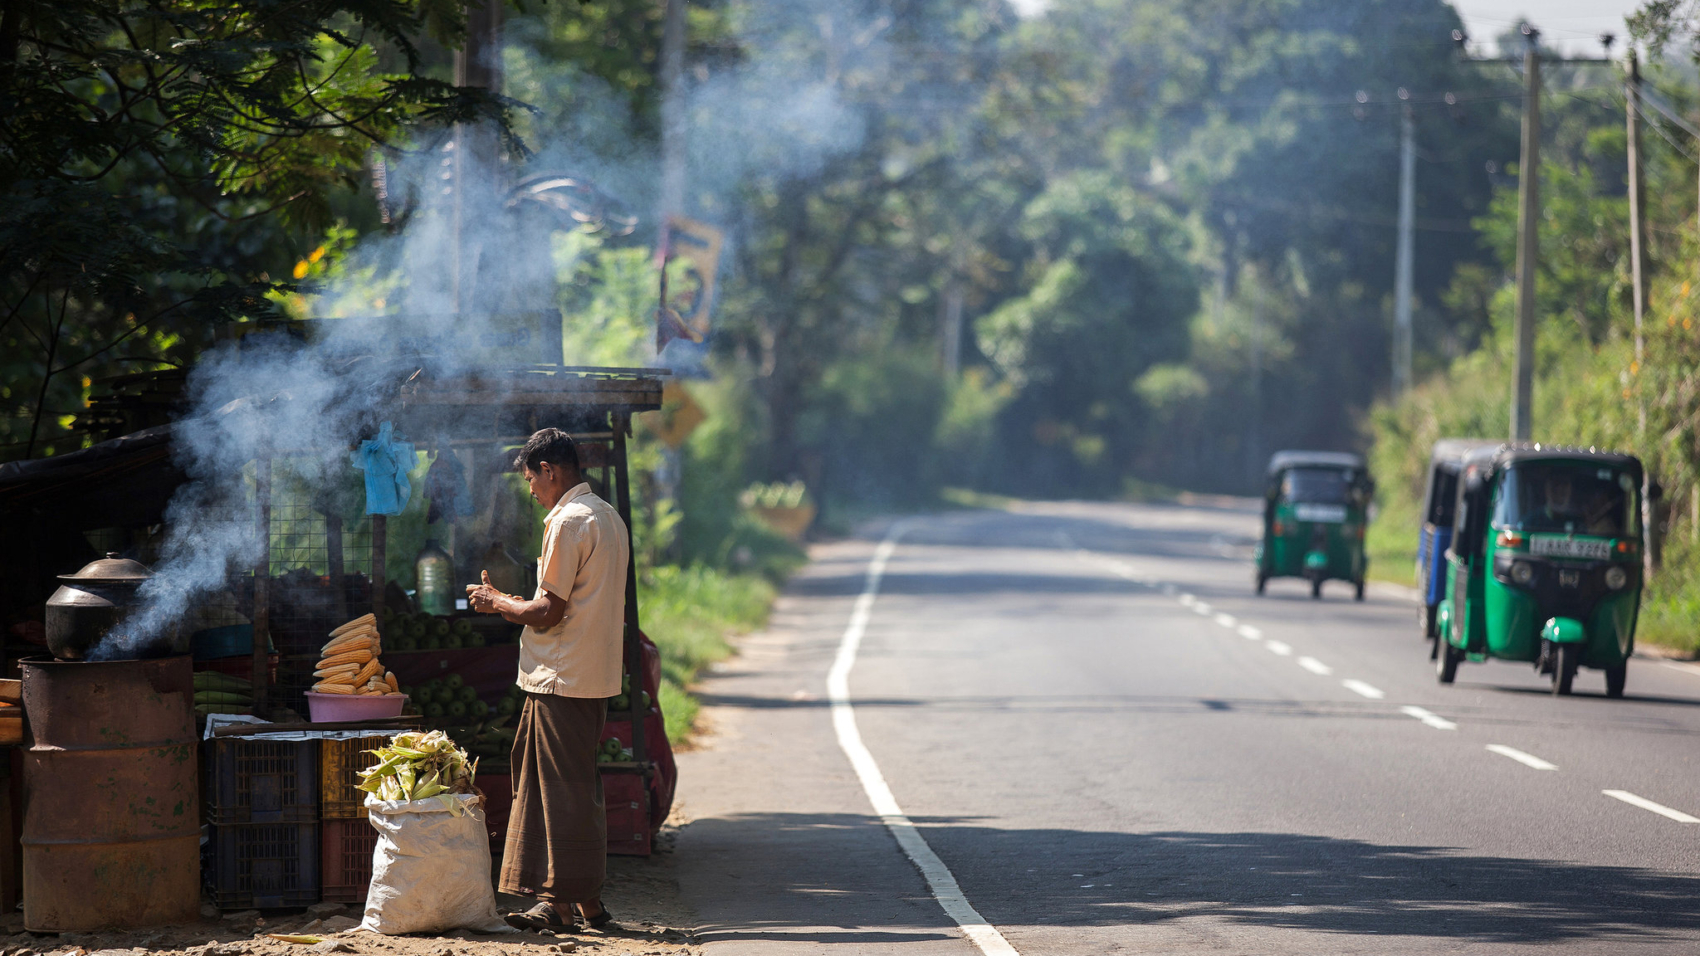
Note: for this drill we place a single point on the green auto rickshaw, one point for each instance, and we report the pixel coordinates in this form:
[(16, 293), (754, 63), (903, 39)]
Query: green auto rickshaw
[(1313, 519), (1545, 563)]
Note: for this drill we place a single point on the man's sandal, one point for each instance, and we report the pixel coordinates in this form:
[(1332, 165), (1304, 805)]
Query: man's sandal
[(601, 919), (542, 918)]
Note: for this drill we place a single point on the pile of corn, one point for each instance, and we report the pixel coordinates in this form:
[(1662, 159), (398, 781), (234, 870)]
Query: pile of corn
[(349, 661), (419, 766)]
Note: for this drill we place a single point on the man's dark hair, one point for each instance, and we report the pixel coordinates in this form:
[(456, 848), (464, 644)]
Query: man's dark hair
[(549, 445)]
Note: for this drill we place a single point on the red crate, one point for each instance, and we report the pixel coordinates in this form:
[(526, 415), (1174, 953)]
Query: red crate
[(625, 799), (498, 789), (345, 854)]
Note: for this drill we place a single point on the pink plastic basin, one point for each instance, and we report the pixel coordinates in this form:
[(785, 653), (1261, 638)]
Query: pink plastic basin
[(329, 708)]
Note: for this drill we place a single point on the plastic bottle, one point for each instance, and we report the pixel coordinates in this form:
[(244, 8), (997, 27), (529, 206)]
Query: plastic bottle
[(434, 572)]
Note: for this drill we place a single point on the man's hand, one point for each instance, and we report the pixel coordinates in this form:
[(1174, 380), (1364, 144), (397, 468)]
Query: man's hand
[(482, 597), (542, 612)]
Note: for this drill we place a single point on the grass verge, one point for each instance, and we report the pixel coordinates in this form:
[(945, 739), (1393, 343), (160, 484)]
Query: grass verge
[(689, 612)]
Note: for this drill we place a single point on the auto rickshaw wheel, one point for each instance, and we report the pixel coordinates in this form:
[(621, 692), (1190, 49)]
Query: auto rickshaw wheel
[(1359, 596), (1316, 589), (1567, 658), (1614, 680), (1447, 669)]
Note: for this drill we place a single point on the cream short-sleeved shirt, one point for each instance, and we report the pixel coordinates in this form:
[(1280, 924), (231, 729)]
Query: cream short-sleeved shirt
[(585, 555)]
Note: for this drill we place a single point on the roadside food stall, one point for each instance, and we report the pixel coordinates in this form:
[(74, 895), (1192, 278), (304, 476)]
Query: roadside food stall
[(283, 824)]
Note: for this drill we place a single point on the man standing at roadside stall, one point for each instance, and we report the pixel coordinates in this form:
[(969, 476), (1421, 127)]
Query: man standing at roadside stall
[(569, 665)]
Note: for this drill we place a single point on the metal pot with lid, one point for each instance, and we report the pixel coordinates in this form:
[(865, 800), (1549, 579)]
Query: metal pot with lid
[(92, 602)]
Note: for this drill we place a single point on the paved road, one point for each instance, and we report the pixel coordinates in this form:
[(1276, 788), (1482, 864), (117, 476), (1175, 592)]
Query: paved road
[(1065, 700)]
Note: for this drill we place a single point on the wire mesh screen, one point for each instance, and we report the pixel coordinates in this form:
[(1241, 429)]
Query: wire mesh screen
[(319, 563)]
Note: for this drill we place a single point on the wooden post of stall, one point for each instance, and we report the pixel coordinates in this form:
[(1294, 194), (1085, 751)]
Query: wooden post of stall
[(334, 566), (262, 584), (633, 646), (380, 534)]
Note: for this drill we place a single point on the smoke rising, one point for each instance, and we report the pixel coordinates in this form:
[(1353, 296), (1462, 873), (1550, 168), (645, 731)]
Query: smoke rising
[(424, 296)]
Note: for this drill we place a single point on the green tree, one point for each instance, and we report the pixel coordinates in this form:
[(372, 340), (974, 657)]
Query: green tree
[(150, 154)]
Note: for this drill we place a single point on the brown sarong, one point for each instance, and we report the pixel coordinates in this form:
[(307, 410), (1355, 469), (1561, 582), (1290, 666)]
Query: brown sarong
[(557, 847)]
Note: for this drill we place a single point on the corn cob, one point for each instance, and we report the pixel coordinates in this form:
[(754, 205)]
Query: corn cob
[(362, 620)]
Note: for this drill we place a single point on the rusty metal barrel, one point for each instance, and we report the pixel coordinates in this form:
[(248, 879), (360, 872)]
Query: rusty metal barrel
[(111, 817)]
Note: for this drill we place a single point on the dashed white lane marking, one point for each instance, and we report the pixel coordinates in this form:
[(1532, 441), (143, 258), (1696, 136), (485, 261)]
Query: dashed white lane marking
[(1187, 599), (940, 880), (1250, 633), (1315, 666), (1202, 609), (1277, 647), (1428, 717), (1646, 804), (1527, 760), (1359, 687), (1226, 620)]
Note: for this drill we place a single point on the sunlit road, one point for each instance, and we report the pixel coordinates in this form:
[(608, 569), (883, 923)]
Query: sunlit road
[(1116, 747)]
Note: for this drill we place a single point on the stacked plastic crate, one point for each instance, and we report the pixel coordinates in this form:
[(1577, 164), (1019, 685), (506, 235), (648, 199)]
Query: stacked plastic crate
[(263, 807), (347, 838)]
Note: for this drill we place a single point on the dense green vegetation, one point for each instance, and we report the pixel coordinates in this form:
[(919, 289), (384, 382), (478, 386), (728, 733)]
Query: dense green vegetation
[(1589, 388), (1125, 244)]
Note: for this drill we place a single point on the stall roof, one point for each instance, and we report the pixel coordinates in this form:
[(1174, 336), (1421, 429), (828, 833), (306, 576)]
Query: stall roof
[(79, 487)]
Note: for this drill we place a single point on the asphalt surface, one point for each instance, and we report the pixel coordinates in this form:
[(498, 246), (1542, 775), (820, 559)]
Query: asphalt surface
[(1116, 747)]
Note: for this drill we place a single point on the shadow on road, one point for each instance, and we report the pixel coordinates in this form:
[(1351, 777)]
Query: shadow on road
[(1066, 878)]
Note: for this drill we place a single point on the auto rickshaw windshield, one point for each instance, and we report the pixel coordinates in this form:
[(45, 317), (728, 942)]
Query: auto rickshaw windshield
[(1317, 486), (1568, 497)]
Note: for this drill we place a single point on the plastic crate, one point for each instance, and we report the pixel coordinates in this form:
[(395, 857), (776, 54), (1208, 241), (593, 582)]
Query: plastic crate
[(498, 788), (262, 780), (345, 858), (340, 763), (625, 800), (264, 865)]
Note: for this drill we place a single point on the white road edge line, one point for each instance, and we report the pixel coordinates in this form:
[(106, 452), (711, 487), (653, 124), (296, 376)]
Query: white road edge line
[(1315, 666), (1682, 666), (940, 880), (1359, 687), (1646, 804), (1527, 760), (1428, 717)]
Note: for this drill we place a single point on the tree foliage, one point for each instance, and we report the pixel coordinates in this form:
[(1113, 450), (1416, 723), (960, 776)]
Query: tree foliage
[(153, 155)]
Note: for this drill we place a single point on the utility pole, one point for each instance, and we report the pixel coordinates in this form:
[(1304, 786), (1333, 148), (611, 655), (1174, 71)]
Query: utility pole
[(1407, 240), (1528, 242), (672, 193), (1637, 221), (478, 63)]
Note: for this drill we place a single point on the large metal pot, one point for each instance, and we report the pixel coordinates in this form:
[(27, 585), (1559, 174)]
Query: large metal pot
[(92, 602)]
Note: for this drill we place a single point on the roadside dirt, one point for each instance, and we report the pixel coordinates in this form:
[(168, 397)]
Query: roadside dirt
[(642, 894)]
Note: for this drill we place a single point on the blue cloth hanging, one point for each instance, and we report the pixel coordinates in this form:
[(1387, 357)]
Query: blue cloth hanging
[(386, 460)]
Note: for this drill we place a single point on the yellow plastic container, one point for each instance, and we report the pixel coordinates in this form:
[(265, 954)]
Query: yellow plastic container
[(340, 763)]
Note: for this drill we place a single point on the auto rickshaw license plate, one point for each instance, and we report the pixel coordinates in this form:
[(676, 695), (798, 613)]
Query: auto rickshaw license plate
[(1314, 512), (1563, 546)]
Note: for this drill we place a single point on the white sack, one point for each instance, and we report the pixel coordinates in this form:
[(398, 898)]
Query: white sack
[(431, 868)]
